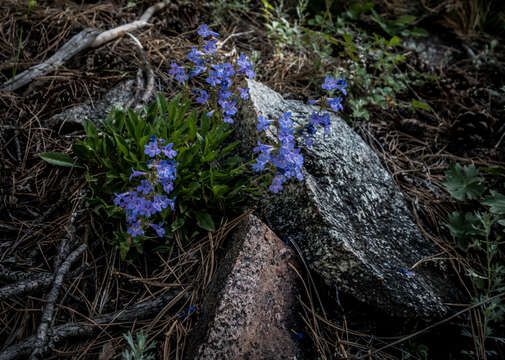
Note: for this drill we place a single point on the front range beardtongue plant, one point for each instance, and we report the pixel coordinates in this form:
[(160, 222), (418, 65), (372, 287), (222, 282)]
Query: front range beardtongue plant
[(174, 166)]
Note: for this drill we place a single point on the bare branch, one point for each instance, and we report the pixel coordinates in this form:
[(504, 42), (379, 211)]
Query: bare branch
[(88, 38)]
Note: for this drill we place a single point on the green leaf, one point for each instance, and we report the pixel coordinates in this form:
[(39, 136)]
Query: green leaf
[(418, 32), (204, 220), (220, 190), (177, 224), (395, 41), (463, 227), (496, 202), (58, 159), (121, 144), (420, 105), (89, 128), (210, 156), (463, 182), (404, 20), (83, 152)]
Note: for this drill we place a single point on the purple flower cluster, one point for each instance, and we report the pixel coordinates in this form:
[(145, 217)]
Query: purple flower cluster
[(146, 201), (330, 84), (323, 119), (220, 77), (287, 158)]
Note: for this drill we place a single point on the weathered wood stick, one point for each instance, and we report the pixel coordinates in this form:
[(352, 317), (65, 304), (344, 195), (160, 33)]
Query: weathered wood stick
[(62, 332), (47, 316), (87, 38)]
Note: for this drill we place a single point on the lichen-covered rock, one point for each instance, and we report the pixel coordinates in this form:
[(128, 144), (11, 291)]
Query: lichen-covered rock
[(119, 95), (249, 312), (349, 217)]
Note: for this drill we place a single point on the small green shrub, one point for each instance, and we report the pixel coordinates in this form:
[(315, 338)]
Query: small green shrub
[(210, 177), (138, 348), (372, 60), (479, 235)]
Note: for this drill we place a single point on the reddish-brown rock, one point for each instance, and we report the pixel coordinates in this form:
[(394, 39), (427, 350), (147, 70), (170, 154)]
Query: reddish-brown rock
[(250, 311)]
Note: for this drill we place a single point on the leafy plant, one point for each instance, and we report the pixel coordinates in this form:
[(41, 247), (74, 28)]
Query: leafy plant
[(374, 60), (222, 8), (210, 177), (138, 348), (280, 29), (186, 153), (479, 234)]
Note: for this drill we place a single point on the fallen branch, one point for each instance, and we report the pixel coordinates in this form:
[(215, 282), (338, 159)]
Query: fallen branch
[(30, 282), (86, 39), (47, 316), (62, 332), (75, 45)]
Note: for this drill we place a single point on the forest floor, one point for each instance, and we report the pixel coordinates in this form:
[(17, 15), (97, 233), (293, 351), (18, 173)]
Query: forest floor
[(458, 116)]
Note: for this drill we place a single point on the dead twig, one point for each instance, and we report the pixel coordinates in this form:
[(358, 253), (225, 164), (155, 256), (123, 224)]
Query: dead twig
[(53, 296), (59, 333), (30, 282)]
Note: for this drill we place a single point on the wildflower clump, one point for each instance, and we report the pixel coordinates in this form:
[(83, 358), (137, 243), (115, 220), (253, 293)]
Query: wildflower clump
[(151, 195), (285, 157), (222, 93)]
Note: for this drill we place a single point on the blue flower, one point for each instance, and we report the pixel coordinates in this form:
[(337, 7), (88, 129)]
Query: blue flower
[(223, 95), (167, 185), (263, 148), (228, 69), (203, 98), (178, 72), (341, 85), (152, 149), (168, 151), (167, 170), (158, 228), (195, 56), (209, 46), (229, 108), (204, 31), (263, 123), (135, 229), (228, 120), (213, 78), (261, 161), (244, 93), (160, 202), (121, 199), (136, 173), (197, 71), (329, 83), (145, 187), (171, 203), (309, 140), (335, 103), (277, 182), (250, 73)]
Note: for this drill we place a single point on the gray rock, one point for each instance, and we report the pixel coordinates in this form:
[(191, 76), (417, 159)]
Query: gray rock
[(431, 50), (249, 312), (348, 216), (119, 95)]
